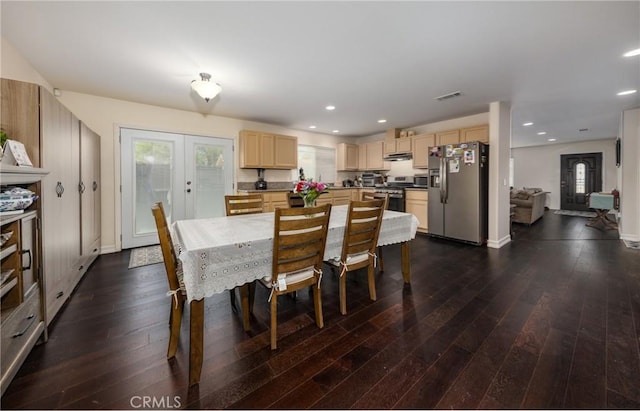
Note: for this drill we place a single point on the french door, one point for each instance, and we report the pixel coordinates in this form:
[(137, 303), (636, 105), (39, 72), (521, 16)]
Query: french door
[(580, 174), (189, 174)]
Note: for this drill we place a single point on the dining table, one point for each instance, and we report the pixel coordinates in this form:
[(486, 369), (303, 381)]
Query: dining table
[(221, 253)]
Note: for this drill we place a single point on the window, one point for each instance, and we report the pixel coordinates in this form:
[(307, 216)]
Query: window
[(318, 163), (580, 178)]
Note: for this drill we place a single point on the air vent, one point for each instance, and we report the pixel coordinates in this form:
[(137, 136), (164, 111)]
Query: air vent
[(448, 96), (583, 129)]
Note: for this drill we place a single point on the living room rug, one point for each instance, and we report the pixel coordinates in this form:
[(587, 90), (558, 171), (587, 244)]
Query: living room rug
[(145, 256), (575, 213)]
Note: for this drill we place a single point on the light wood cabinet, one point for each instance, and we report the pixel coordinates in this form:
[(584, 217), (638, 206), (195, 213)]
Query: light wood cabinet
[(479, 133), (394, 144), (371, 156), (90, 212), (22, 319), (265, 150), (448, 137), (341, 197), (416, 203), (421, 144), (20, 115), (347, 157), (275, 199)]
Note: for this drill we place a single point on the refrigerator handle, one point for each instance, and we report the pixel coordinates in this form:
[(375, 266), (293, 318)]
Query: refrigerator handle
[(446, 180), (442, 180)]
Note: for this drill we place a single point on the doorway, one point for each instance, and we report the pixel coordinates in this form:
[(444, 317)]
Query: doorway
[(580, 174), (189, 174)]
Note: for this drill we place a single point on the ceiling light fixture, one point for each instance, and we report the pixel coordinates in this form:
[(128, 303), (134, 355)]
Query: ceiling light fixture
[(551, 139), (627, 92), (382, 120), (206, 88), (336, 131), (527, 124), (632, 53), (312, 126), (542, 133), (330, 108)]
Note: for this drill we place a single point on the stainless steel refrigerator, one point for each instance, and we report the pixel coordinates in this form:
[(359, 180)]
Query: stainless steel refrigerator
[(458, 192)]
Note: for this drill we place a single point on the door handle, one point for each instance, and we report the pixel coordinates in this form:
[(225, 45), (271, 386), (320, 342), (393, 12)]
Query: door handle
[(59, 189)]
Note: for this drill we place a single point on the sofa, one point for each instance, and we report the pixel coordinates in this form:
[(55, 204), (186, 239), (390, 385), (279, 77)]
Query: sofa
[(529, 204)]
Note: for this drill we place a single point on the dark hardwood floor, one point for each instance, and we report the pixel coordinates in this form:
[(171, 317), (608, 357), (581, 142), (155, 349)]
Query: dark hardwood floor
[(551, 320)]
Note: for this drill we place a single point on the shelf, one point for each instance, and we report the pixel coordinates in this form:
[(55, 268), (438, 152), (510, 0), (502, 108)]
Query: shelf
[(5, 275), (8, 251), (21, 175), (8, 286)]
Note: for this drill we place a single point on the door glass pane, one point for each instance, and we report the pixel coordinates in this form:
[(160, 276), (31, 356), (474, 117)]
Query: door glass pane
[(153, 165), (580, 178), (209, 185)]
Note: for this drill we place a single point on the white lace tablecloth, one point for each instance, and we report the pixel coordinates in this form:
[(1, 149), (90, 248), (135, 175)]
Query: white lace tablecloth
[(221, 253)]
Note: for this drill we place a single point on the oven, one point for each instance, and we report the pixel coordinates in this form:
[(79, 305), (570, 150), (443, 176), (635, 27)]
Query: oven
[(396, 197)]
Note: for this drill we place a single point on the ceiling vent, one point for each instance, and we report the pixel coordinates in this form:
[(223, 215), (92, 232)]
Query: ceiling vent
[(448, 96)]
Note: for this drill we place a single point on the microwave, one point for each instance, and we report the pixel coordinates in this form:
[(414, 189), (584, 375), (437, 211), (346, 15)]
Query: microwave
[(421, 180), (372, 180)]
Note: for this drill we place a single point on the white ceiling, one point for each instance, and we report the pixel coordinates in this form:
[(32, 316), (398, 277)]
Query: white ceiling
[(559, 64)]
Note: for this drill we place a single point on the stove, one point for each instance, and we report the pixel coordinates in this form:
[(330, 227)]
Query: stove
[(395, 188)]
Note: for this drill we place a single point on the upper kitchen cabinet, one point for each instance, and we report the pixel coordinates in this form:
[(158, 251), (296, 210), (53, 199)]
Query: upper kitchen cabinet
[(265, 150), (20, 115), (448, 137), (478, 133), (348, 157), (421, 144), (371, 157), (394, 144)]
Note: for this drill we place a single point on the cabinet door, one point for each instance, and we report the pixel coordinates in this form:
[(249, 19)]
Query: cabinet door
[(374, 156), (421, 144), (403, 145), (20, 115), (249, 147), (286, 152), (448, 137), (480, 133), (362, 156), (60, 200), (267, 151), (347, 157), (90, 191)]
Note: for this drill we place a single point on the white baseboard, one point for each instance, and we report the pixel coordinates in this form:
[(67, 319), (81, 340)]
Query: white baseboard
[(108, 249), (500, 243)]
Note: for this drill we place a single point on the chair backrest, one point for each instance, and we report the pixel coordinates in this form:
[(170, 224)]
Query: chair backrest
[(363, 227), (370, 195), (243, 204), (295, 200), (299, 238), (168, 252)]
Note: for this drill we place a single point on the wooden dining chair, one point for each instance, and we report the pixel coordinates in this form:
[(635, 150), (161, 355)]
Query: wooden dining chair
[(240, 205), (359, 244), (173, 269), (370, 195), (299, 238), (243, 204)]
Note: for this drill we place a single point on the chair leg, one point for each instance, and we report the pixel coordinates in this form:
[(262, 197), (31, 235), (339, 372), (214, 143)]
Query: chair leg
[(372, 282), (380, 260), (343, 294), (244, 297), (274, 321), (317, 303), (174, 328)]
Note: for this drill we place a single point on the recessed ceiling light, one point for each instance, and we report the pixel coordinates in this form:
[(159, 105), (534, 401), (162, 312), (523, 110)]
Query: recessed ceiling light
[(627, 92), (336, 131), (527, 124), (312, 126), (632, 53), (542, 133), (551, 139), (330, 108), (382, 120)]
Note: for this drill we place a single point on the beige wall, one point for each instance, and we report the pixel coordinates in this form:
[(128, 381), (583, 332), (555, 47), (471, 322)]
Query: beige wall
[(630, 176), (539, 166)]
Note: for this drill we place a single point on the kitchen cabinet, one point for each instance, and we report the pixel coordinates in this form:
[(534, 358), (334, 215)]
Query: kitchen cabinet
[(22, 318), (347, 157), (370, 156), (20, 115), (341, 197), (266, 150), (421, 144), (275, 199), (448, 137), (416, 203), (394, 144), (478, 133), (90, 212)]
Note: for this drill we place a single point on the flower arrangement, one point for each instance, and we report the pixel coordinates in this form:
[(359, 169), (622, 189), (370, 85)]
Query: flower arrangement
[(309, 191)]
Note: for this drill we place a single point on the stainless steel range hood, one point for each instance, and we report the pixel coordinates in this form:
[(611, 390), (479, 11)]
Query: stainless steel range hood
[(398, 157)]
